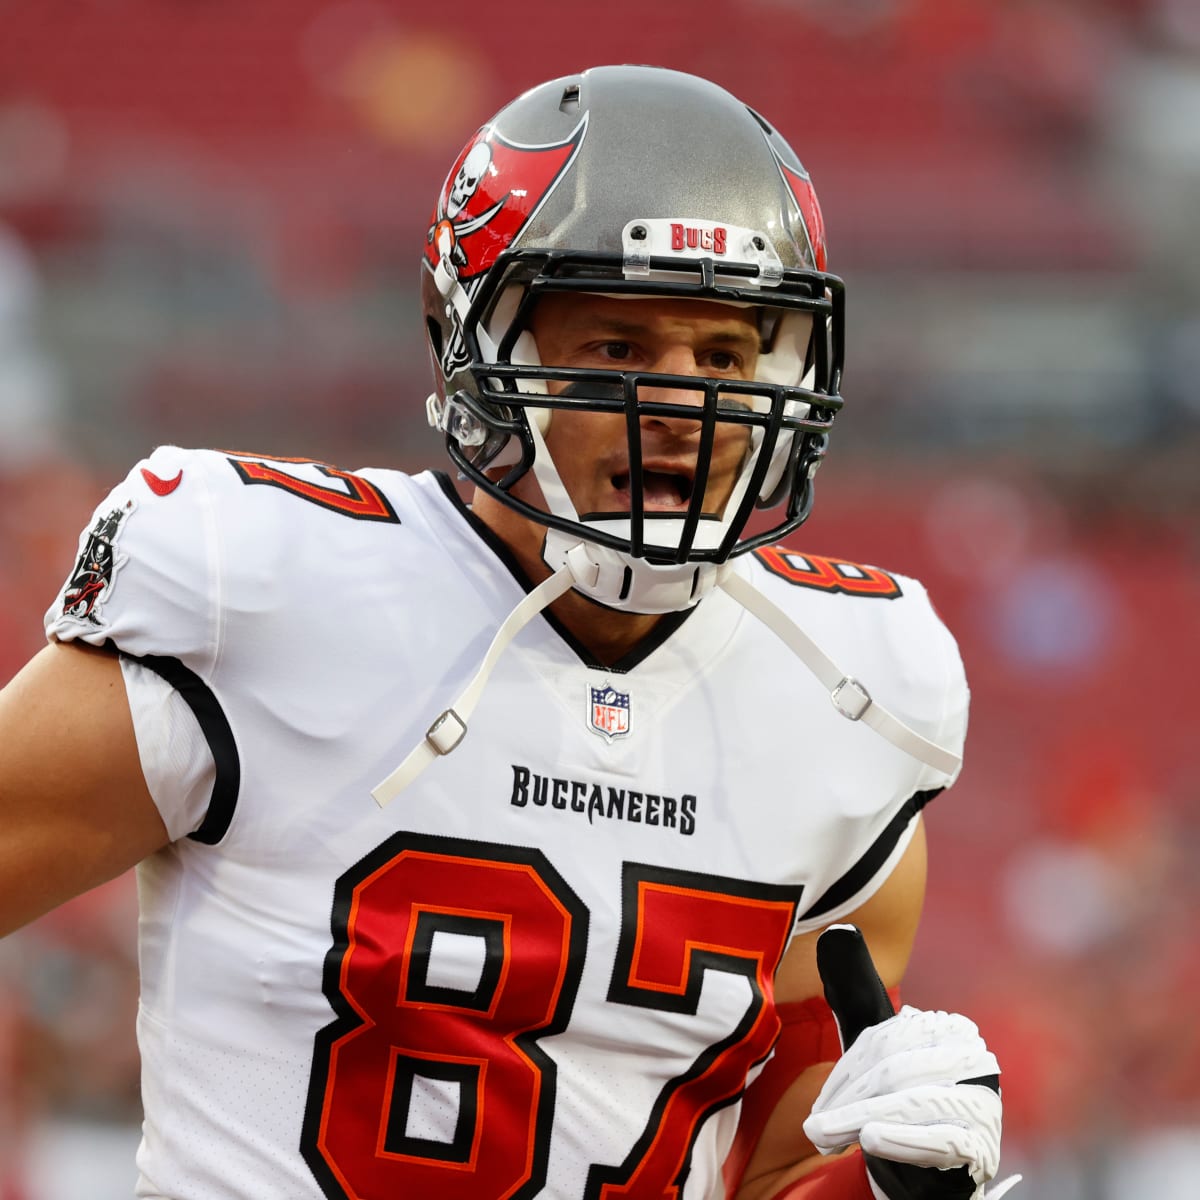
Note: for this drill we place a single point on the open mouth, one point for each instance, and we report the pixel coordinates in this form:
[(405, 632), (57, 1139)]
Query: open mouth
[(660, 489)]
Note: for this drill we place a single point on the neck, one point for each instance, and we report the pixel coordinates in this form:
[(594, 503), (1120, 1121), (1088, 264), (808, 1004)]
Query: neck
[(608, 635)]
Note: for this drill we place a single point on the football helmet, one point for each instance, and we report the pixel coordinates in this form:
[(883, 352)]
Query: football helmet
[(634, 182)]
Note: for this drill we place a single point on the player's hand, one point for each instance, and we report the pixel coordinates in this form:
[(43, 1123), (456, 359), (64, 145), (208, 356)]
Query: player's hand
[(919, 1091)]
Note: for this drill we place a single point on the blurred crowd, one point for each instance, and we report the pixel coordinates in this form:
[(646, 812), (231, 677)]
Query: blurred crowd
[(210, 220)]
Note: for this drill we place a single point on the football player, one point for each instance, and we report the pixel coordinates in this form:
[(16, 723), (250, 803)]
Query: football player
[(483, 850)]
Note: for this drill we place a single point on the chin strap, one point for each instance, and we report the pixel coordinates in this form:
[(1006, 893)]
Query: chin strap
[(580, 570), (451, 727), (849, 696)]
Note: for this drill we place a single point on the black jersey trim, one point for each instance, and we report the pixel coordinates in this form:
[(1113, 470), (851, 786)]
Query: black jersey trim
[(867, 867), (217, 733), (627, 662)]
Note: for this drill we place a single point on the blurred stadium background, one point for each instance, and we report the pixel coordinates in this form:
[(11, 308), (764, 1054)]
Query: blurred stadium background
[(211, 213)]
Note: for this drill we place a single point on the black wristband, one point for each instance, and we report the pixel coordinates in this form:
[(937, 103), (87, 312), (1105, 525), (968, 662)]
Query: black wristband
[(903, 1181)]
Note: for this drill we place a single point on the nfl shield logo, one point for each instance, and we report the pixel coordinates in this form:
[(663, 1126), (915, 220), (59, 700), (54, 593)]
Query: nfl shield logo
[(608, 712)]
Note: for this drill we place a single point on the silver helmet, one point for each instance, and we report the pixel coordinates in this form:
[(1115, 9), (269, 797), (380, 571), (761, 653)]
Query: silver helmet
[(631, 181)]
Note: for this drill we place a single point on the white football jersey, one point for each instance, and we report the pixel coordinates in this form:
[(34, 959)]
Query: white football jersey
[(546, 969)]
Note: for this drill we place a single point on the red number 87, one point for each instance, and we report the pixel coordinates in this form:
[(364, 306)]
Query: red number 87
[(402, 1031)]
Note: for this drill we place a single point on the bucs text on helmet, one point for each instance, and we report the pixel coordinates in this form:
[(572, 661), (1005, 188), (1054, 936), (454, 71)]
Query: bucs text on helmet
[(639, 182)]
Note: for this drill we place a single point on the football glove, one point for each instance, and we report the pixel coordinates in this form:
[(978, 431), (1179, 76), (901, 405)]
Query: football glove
[(919, 1091)]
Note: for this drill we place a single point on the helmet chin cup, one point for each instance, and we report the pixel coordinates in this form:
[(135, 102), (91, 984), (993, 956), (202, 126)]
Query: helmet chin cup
[(627, 584)]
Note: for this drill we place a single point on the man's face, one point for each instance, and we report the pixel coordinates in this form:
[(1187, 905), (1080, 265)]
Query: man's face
[(673, 337)]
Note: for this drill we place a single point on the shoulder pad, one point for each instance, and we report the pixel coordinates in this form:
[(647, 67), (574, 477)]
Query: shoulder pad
[(144, 573)]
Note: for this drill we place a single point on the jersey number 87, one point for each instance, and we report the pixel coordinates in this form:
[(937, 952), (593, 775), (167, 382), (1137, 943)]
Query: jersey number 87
[(402, 1035)]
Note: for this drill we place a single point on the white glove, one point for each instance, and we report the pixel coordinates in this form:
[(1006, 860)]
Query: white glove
[(919, 1089), (898, 1092)]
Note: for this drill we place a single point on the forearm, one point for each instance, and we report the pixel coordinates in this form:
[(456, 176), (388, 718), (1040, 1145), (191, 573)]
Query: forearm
[(836, 1177), (839, 1178), (770, 1152)]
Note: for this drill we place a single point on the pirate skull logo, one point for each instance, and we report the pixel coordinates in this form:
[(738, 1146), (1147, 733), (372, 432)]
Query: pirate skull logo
[(467, 180)]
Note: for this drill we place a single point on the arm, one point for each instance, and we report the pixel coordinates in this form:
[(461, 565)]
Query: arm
[(74, 807), (888, 920)]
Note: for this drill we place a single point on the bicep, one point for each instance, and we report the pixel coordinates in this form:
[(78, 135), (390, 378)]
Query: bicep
[(74, 807), (889, 921)]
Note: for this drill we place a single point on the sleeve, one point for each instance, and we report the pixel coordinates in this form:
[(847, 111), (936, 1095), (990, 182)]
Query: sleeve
[(949, 694), (146, 576), (855, 886), (921, 678), (177, 761), (146, 583)]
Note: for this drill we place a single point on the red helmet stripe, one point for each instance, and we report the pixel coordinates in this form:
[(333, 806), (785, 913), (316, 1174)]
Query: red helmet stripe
[(806, 200), (492, 191)]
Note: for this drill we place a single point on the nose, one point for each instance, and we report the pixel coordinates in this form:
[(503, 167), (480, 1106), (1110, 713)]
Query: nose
[(675, 360)]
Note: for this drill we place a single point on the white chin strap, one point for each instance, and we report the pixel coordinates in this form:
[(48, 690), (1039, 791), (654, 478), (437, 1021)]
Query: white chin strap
[(618, 580), (632, 584), (580, 570), (849, 696), (450, 728)]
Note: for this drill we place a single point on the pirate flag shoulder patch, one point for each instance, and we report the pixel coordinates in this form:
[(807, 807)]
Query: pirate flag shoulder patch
[(99, 561)]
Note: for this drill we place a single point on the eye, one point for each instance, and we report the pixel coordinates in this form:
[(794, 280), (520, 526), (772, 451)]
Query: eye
[(724, 360), (617, 351)]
